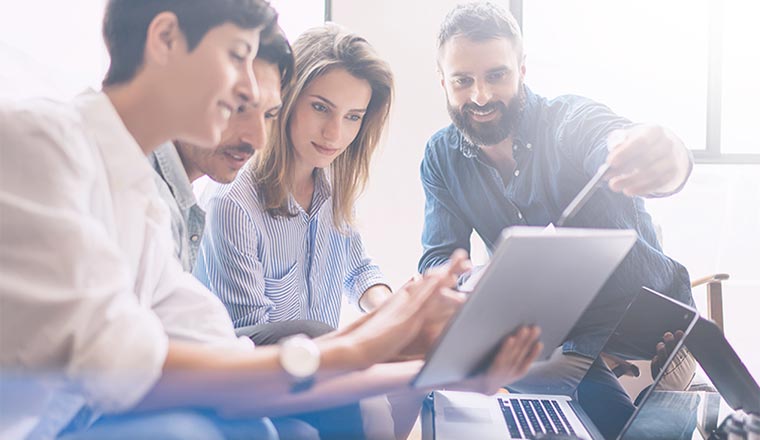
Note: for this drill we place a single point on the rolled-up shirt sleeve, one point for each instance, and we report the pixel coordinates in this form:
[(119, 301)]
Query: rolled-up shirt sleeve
[(362, 272), (67, 304)]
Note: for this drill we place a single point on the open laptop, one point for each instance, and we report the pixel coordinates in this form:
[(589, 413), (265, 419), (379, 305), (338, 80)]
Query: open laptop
[(687, 415), (459, 415), (533, 277)]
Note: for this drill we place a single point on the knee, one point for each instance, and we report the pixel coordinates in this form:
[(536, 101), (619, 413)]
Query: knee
[(314, 329), (291, 428), (187, 426)]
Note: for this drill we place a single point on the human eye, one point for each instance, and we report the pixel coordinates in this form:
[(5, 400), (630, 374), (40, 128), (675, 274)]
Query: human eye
[(319, 107), (354, 118), (272, 114), (497, 76), (462, 81), (237, 56)]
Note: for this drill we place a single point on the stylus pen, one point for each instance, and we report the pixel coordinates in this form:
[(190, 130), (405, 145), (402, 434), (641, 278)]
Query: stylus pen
[(583, 196)]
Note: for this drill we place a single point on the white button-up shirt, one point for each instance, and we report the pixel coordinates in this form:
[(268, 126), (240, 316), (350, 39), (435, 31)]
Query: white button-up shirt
[(90, 289)]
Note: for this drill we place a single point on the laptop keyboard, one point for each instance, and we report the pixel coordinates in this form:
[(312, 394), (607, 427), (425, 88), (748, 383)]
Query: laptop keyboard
[(527, 418)]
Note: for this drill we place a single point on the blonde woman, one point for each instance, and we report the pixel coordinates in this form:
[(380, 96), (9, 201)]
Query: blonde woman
[(282, 244)]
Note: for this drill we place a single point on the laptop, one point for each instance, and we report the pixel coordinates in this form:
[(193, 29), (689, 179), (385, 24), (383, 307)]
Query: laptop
[(728, 387), (459, 415), (533, 277)]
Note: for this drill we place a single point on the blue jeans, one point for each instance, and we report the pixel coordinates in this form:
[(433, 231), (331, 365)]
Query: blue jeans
[(176, 425)]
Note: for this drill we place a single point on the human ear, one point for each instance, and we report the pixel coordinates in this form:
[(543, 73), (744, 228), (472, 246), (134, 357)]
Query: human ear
[(163, 38)]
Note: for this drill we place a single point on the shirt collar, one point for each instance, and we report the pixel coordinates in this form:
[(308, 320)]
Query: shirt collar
[(173, 173), (322, 192), (124, 161)]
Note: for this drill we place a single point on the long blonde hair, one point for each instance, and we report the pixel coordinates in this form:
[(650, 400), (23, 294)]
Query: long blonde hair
[(318, 51)]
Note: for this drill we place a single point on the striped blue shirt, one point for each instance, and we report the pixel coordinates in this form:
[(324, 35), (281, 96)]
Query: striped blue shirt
[(270, 269)]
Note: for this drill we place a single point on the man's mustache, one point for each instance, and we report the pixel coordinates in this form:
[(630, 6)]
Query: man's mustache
[(486, 108), (242, 148)]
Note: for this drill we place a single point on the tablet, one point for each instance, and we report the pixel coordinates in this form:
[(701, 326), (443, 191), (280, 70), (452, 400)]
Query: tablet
[(534, 277)]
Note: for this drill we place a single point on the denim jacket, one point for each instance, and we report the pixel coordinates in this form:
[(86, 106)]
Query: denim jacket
[(558, 146), (188, 219)]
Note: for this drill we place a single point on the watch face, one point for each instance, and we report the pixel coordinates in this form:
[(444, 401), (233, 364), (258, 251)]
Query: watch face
[(299, 357)]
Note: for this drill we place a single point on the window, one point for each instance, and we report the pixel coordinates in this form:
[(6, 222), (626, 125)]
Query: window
[(688, 64)]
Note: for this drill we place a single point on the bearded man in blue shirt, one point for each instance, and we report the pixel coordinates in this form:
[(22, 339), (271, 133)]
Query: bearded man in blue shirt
[(512, 157)]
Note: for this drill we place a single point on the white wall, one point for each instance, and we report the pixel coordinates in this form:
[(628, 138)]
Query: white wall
[(391, 211)]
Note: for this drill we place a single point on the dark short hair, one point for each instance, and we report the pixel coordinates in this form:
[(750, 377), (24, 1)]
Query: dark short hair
[(480, 21), (274, 48), (125, 26)]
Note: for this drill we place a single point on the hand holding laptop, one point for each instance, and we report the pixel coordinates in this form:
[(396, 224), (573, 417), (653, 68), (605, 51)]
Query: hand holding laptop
[(517, 353), (404, 323)]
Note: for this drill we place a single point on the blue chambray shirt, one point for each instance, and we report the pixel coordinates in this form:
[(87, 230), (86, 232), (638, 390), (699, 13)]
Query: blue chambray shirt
[(558, 146), (188, 219)]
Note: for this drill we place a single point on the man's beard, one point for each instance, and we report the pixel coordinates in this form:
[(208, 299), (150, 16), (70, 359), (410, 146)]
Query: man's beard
[(491, 132)]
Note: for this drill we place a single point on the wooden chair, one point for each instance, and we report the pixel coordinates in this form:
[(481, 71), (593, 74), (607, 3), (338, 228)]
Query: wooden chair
[(714, 284)]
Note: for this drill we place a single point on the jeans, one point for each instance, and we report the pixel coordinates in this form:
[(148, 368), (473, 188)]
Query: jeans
[(271, 332)]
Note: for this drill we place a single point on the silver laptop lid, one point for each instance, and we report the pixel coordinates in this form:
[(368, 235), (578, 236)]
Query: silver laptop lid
[(534, 277)]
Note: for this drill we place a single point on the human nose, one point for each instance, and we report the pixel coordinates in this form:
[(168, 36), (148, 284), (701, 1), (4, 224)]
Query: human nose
[(481, 93), (256, 132), (246, 88), (331, 129)]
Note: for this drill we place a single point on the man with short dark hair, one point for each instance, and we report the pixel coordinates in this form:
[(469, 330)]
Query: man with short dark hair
[(512, 157)]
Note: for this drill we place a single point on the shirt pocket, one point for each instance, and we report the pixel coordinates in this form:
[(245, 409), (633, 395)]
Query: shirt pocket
[(284, 294)]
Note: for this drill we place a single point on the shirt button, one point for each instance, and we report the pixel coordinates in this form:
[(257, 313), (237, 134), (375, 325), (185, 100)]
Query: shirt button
[(517, 173), (529, 146), (194, 238), (514, 146), (519, 215)]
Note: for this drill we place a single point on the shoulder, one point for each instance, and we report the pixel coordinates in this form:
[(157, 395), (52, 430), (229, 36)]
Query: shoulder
[(442, 147), (575, 107), (33, 121), (239, 198), (441, 141), (45, 138)]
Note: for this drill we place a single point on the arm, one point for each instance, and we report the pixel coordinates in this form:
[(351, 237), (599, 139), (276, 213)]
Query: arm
[(253, 384), (230, 263), (374, 296), (65, 288), (645, 160), (364, 282), (445, 228)]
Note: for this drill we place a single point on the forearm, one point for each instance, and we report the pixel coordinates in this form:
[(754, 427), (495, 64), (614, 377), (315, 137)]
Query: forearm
[(228, 380), (374, 296), (254, 384), (342, 390)]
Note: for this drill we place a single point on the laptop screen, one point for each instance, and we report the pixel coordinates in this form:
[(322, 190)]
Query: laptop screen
[(679, 414), (720, 385), (651, 323)]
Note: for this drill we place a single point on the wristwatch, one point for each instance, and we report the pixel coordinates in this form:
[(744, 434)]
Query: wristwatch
[(300, 357)]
